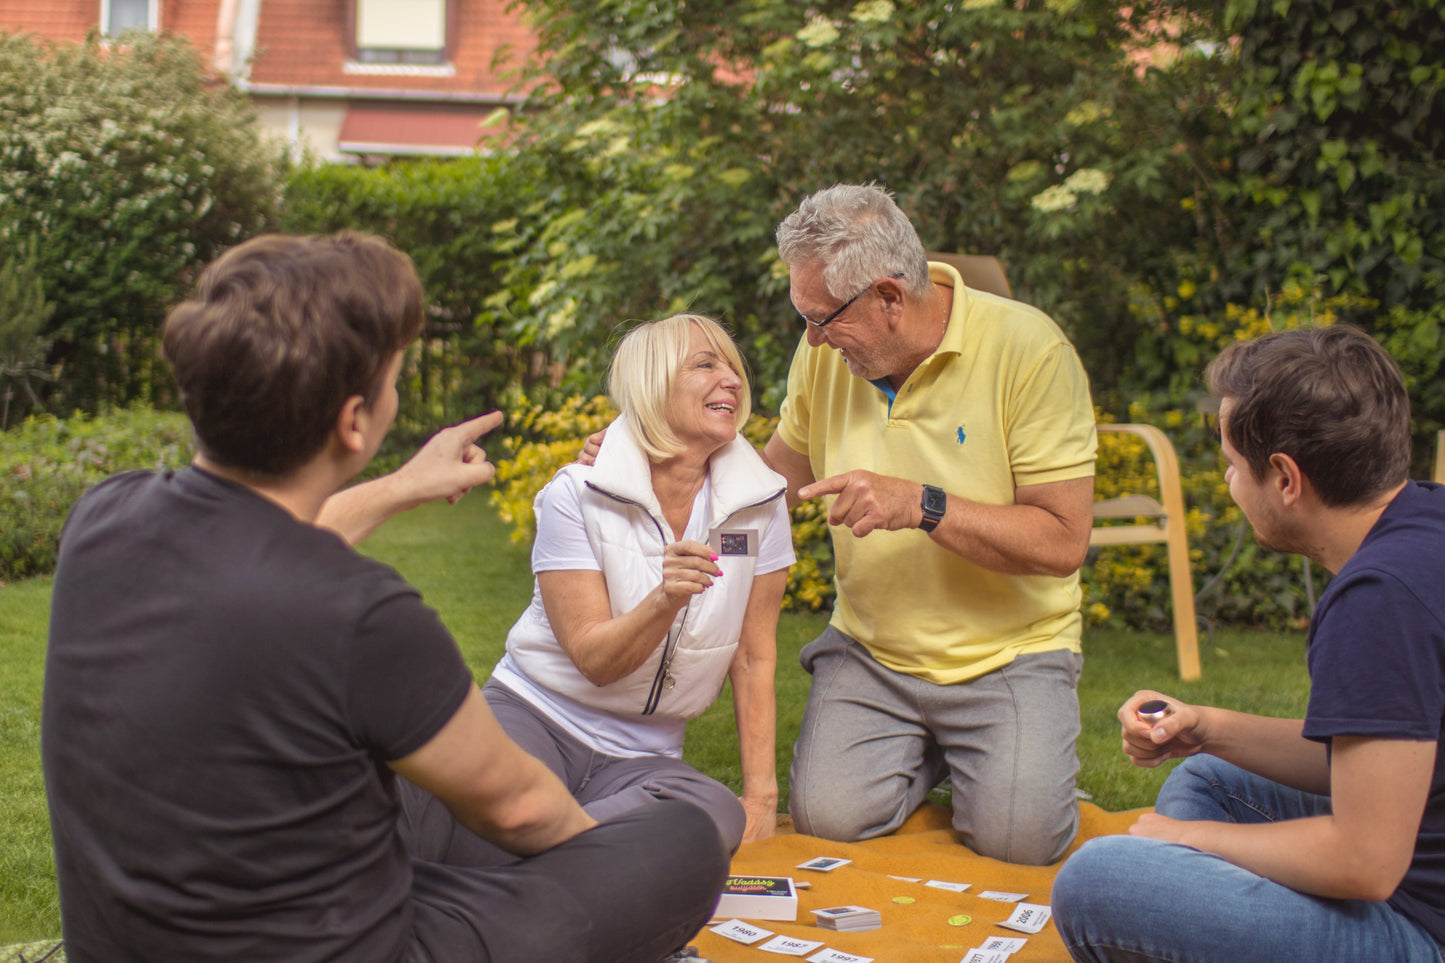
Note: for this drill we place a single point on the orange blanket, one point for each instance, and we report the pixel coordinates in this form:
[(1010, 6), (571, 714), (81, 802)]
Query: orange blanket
[(921, 924)]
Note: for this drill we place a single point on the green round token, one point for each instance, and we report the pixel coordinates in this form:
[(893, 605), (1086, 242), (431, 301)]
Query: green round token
[(962, 919), (903, 899)]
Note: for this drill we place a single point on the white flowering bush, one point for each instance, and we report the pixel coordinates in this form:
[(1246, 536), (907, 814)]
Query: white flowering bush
[(133, 167)]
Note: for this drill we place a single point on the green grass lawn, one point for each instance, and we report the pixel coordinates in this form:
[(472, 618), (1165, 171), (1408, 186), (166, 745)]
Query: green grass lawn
[(467, 569)]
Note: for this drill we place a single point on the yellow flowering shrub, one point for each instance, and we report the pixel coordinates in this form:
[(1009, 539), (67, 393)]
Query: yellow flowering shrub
[(810, 580), (541, 441)]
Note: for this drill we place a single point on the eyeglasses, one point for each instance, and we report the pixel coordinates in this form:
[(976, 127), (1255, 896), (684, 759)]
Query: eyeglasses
[(820, 325)]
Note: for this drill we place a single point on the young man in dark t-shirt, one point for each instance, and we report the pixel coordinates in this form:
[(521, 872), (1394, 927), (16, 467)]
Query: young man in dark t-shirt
[(1321, 838), (231, 691)]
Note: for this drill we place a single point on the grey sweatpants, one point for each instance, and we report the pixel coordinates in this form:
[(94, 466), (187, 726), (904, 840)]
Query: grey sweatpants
[(875, 741)]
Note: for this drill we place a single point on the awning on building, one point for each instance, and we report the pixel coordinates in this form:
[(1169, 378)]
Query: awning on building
[(413, 129)]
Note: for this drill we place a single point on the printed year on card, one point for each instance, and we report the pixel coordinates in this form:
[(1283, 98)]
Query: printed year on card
[(741, 932)]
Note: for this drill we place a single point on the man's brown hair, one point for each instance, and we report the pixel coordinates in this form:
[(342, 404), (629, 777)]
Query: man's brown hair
[(1330, 398), (279, 333)]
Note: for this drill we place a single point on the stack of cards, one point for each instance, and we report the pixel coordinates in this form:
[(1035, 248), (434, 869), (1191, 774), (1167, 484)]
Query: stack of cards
[(848, 918), (758, 898)]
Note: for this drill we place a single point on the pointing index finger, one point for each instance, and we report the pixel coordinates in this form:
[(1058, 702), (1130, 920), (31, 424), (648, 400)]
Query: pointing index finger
[(831, 485), (475, 428)]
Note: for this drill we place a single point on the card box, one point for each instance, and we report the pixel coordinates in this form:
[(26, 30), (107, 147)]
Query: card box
[(758, 898)]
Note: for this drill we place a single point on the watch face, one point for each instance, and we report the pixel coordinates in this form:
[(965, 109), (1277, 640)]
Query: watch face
[(934, 499)]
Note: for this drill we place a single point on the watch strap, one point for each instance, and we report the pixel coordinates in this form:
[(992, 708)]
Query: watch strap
[(935, 500)]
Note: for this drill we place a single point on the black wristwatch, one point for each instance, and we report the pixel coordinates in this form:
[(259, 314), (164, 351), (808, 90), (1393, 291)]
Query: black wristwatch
[(935, 503)]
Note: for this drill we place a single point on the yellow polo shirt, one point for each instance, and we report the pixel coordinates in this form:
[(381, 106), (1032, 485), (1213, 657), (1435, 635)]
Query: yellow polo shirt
[(1003, 402)]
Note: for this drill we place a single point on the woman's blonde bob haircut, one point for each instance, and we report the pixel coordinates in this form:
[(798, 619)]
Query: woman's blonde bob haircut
[(646, 365)]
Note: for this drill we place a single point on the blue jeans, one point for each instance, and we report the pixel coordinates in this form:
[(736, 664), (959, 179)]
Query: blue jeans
[(874, 742), (1128, 899)]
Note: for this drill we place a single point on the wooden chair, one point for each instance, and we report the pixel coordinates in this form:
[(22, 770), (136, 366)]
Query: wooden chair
[(1157, 521), (979, 271)]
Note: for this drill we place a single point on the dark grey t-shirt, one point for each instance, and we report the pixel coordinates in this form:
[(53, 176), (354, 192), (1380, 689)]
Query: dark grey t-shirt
[(223, 687)]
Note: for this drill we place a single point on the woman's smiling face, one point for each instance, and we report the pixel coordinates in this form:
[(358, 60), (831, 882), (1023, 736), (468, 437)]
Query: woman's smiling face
[(702, 408)]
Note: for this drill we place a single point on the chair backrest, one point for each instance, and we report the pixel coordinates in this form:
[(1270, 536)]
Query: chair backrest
[(981, 272), (1160, 520)]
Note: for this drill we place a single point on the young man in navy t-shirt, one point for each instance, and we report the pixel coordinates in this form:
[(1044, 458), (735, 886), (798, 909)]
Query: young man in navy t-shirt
[(1313, 839)]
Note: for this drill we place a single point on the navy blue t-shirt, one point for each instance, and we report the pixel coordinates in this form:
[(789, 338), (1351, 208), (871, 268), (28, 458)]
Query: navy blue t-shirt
[(1377, 665), (223, 688)]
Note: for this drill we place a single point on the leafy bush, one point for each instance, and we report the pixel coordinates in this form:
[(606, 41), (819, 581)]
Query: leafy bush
[(48, 462), (23, 313), (1339, 132), (679, 134), (541, 441), (1235, 580), (442, 213), (1324, 176), (134, 168)]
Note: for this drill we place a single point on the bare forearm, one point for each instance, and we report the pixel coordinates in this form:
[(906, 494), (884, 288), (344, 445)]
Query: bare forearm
[(1308, 855), (356, 512), (754, 680), (538, 816), (754, 705), (1268, 747), (793, 465), (606, 647), (1010, 539), (446, 467), (611, 649), (491, 785), (755, 709)]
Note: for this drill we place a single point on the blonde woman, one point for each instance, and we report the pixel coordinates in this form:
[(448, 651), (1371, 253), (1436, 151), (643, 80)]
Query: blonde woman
[(636, 620)]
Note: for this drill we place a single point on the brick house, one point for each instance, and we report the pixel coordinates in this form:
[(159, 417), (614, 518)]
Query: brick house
[(343, 79)]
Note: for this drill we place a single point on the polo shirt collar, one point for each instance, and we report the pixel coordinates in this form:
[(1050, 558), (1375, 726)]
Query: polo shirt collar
[(952, 342)]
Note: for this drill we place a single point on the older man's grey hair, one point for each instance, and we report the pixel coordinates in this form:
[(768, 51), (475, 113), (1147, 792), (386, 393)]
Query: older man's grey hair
[(859, 234)]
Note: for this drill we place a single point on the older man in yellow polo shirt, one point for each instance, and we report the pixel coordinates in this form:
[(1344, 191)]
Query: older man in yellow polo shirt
[(952, 434)]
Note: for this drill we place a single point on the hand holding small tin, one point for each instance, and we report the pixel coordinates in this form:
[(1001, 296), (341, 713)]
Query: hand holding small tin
[(688, 569), (1157, 727)]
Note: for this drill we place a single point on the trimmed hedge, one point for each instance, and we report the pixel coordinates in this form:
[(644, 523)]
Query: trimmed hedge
[(46, 463)]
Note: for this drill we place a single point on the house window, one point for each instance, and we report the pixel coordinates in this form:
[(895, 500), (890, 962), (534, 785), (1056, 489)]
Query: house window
[(118, 16), (401, 31)]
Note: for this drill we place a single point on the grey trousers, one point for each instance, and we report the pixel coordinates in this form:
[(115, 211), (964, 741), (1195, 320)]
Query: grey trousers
[(628, 891), (608, 786), (874, 742)]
